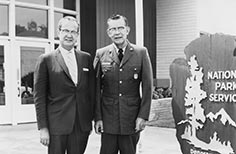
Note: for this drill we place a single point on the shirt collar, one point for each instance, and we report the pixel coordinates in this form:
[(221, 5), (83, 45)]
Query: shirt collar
[(64, 51), (118, 49)]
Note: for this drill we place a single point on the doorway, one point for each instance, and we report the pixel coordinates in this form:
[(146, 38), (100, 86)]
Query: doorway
[(5, 93), (27, 55)]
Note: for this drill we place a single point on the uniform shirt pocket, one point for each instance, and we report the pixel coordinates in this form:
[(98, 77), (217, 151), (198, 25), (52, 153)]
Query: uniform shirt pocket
[(135, 72)]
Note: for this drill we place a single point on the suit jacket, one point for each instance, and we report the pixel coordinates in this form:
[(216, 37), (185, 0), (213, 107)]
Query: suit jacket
[(118, 100), (57, 98)]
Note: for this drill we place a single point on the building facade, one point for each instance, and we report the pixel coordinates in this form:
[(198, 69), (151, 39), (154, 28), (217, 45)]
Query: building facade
[(180, 22), (28, 29), (176, 27)]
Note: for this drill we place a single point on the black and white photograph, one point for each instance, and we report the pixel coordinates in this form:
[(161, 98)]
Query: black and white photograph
[(117, 76)]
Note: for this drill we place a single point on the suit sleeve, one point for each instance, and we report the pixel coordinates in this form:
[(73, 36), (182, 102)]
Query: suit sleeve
[(147, 83), (40, 92), (92, 85), (97, 66)]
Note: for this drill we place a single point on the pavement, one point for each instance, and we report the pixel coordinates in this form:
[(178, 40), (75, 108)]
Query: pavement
[(24, 139)]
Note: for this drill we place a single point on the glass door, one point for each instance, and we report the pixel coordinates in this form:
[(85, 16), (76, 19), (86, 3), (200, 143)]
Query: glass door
[(5, 106), (28, 54)]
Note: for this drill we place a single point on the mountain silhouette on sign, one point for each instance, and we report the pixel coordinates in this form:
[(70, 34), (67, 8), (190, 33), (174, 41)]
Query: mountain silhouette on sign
[(224, 117)]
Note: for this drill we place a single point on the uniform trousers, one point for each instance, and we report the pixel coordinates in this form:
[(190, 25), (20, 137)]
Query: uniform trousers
[(125, 144), (73, 143)]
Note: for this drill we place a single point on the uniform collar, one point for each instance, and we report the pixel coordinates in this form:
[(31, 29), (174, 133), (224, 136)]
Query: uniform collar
[(117, 49)]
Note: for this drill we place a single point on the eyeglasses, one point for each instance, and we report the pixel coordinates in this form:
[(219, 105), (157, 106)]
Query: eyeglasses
[(114, 29), (66, 31)]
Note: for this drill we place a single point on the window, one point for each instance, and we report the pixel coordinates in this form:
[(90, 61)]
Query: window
[(4, 30), (42, 2), (65, 4), (31, 22), (29, 57), (2, 78)]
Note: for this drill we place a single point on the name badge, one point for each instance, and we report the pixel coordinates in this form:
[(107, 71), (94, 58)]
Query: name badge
[(106, 63), (85, 69), (106, 66)]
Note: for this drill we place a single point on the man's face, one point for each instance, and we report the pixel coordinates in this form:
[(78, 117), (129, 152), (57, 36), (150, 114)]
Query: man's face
[(68, 34), (118, 31)]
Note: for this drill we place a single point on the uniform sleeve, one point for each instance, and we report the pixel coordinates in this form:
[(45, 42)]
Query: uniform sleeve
[(40, 92), (98, 72), (147, 84)]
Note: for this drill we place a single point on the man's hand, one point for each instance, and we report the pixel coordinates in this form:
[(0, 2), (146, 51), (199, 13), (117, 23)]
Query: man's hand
[(140, 124), (98, 126), (44, 136)]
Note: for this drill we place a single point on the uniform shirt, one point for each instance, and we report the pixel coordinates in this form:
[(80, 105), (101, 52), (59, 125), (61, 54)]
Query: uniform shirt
[(118, 88)]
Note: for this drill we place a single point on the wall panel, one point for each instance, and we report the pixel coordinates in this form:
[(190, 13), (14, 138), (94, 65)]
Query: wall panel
[(149, 14), (105, 8), (176, 28)]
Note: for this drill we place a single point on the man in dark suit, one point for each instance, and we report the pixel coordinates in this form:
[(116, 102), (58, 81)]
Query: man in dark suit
[(64, 93), (120, 110)]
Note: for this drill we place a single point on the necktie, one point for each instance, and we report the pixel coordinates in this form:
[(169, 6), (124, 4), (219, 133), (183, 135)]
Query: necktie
[(120, 55), (72, 66)]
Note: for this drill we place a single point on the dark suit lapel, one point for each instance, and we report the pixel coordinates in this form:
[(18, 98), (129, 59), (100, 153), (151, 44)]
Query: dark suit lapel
[(62, 63), (128, 53), (79, 65)]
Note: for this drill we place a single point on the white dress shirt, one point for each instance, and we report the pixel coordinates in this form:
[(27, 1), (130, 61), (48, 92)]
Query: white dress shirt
[(70, 60)]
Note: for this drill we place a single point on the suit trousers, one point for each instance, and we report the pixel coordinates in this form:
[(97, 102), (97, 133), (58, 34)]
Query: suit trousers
[(125, 144), (73, 143)]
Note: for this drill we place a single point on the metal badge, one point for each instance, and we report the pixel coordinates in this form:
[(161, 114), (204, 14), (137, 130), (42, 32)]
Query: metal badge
[(135, 76)]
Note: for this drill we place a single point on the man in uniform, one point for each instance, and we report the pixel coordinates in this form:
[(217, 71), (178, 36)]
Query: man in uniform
[(120, 110)]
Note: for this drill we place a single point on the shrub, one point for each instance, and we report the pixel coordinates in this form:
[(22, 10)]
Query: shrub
[(161, 92)]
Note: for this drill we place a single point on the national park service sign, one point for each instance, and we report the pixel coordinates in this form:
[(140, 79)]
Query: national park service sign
[(204, 96)]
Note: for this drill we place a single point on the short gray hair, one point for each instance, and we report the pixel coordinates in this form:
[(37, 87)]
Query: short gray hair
[(116, 17), (68, 18)]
